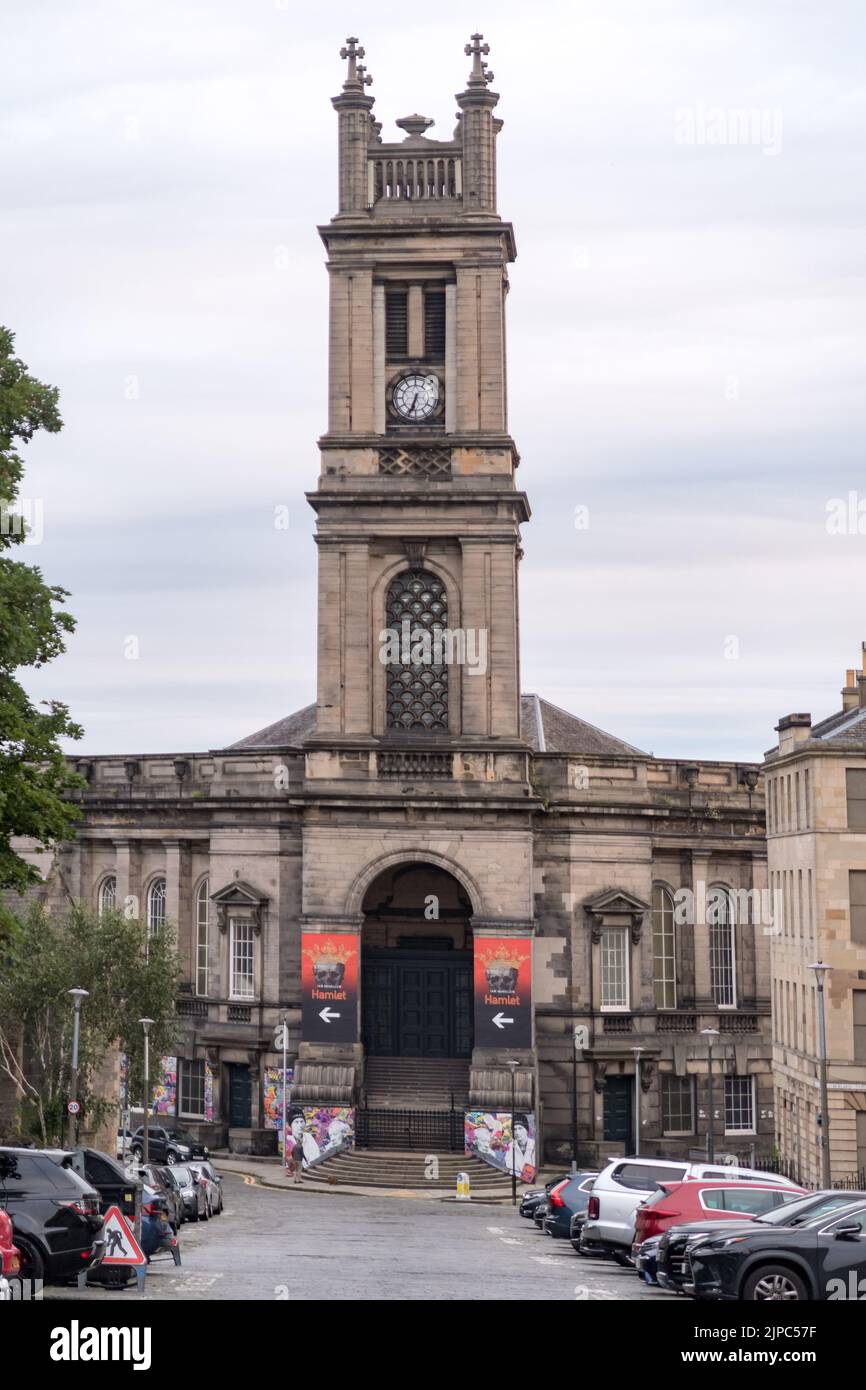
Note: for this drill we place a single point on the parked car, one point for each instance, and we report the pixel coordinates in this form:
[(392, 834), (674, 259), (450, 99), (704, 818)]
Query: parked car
[(672, 1268), (646, 1260), (192, 1191), (115, 1186), (213, 1186), (621, 1187), (576, 1230), (540, 1212), (676, 1202), (10, 1259), (822, 1258), (161, 1178), (167, 1145), (55, 1215), (156, 1231), (566, 1198), (530, 1200)]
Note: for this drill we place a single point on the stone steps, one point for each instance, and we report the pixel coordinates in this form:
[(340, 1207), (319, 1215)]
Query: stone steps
[(416, 1083), (366, 1168)]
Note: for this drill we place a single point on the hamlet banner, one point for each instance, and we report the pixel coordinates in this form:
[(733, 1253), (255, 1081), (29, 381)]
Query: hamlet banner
[(329, 986), (503, 991)]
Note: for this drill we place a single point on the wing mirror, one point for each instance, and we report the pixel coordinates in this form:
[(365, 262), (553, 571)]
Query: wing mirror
[(849, 1232)]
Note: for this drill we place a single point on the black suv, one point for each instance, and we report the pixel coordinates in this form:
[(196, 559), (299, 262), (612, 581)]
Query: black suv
[(167, 1145), (115, 1187), (55, 1215)]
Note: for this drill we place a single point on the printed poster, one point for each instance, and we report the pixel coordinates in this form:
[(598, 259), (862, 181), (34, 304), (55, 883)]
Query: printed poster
[(329, 987), (488, 1136)]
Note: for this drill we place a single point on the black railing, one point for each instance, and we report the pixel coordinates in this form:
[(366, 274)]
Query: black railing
[(430, 1131), (851, 1182)]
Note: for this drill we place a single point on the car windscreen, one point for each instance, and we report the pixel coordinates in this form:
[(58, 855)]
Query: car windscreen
[(181, 1136), (800, 1212), (183, 1176)]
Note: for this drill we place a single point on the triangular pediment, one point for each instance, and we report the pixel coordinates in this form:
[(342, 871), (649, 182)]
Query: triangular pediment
[(238, 894), (615, 900)]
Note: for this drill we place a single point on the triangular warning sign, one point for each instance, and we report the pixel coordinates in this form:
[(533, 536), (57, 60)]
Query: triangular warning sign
[(121, 1247)]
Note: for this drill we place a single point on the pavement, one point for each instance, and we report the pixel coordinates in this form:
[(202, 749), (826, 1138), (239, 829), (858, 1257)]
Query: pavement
[(278, 1245)]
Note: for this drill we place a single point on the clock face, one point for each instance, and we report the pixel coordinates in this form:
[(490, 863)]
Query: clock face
[(416, 396)]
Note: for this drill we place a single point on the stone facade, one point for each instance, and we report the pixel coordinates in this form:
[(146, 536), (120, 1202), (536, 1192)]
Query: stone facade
[(817, 864), (422, 780)]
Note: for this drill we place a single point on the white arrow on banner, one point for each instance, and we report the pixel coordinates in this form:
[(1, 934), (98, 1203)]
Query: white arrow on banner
[(500, 1020), (327, 1014)]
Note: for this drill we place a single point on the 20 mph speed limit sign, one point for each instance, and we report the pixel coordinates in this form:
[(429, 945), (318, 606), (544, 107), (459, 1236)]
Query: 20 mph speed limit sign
[(74, 1107)]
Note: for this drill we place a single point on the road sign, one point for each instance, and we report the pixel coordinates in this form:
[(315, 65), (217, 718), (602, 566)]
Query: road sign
[(74, 1107), (121, 1247), (503, 991)]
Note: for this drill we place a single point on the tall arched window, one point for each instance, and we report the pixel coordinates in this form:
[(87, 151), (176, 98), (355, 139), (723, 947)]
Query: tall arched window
[(155, 906), (107, 896), (202, 924), (416, 613), (664, 950), (723, 964)]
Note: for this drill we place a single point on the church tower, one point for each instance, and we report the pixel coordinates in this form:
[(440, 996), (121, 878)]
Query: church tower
[(417, 511), (417, 821)]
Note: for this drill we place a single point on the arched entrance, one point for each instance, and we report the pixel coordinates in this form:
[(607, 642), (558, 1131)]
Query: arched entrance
[(416, 965)]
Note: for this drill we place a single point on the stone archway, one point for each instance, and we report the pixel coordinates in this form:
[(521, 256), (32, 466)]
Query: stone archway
[(416, 965)]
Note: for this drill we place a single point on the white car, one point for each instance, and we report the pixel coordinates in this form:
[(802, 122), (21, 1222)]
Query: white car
[(624, 1183)]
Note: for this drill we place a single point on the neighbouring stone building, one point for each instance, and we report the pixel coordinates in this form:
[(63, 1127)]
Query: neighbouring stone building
[(816, 835), (394, 868)]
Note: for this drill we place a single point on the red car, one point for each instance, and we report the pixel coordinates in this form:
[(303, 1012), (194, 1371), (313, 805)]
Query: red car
[(10, 1260), (696, 1200)]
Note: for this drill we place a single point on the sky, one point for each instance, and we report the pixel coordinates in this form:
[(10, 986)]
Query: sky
[(686, 346)]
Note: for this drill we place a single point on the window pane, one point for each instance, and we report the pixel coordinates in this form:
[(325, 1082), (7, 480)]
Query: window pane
[(416, 616), (678, 1104), (108, 894), (241, 959), (191, 1087), (664, 960), (721, 941), (614, 968), (202, 919), (156, 906), (739, 1104)]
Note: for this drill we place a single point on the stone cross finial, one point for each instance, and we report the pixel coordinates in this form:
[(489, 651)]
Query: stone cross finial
[(353, 53), (477, 51), (363, 76)]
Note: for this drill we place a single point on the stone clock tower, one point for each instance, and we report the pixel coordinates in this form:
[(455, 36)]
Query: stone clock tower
[(417, 828)]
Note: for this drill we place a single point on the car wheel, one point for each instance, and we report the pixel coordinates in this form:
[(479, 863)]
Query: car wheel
[(138, 1153), (772, 1283), (32, 1259), (171, 1158)]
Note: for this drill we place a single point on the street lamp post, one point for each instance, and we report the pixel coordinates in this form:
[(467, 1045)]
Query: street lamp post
[(637, 1055), (820, 970), (285, 1099), (512, 1065), (77, 995), (574, 1050), (710, 1034), (145, 1146)]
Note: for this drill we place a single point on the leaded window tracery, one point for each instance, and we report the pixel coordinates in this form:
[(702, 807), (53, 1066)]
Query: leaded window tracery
[(416, 615)]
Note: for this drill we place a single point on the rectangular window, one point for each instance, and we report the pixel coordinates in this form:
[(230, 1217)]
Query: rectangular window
[(396, 323), (191, 1089), (857, 903), (720, 919), (202, 911), (614, 968), (242, 972), (678, 1104), (858, 1001), (434, 325), (855, 787), (739, 1105)]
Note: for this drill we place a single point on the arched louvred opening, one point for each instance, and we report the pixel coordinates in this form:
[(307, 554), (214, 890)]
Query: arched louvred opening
[(416, 615)]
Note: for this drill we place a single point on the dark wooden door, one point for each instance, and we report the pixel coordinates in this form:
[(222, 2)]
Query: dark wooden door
[(619, 1110), (416, 1004), (240, 1096)]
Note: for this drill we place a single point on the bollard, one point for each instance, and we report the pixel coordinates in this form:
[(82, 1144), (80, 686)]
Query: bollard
[(463, 1192)]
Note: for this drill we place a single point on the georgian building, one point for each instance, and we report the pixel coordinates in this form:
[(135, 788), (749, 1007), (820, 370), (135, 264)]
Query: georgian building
[(445, 887), (816, 829)]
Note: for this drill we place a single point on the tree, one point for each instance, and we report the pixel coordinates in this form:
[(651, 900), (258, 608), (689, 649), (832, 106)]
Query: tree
[(128, 976), (34, 774)]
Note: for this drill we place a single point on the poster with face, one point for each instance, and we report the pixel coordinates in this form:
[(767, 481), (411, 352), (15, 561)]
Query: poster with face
[(329, 987), (318, 1133), (488, 1136), (165, 1090), (503, 991)]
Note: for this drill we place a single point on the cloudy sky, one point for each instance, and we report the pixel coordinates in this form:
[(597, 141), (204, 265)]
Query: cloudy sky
[(686, 344)]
